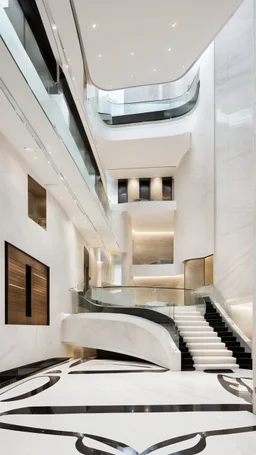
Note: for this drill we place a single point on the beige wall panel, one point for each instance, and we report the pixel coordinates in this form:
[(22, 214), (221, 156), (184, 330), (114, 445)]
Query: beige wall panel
[(156, 189), (194, 273), (209, 270), (133, 189), (148, 249)]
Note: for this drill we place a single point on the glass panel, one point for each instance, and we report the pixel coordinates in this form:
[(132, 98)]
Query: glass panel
[(115, 113), (155, 304), (22, 45)]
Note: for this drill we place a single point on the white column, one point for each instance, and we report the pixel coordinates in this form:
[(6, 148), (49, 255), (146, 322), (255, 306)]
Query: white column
[(99, 267)]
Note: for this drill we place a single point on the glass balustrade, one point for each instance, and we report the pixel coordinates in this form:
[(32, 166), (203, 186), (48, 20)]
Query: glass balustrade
[(52, 96), (153, 303), (116, 113)]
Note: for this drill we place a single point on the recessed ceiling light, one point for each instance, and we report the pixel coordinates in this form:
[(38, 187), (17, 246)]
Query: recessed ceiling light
[(174, 24), (28, 149), (48, 162), (183, 66), (154, 69), (54, 26), (99, 55), (35, 157), (132, 76), (132, 53), (169, 49), (110, 86), (73, 79), (94, 25)]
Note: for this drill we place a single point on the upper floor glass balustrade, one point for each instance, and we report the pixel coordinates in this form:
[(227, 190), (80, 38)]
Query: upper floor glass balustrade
[(53, 96), (113, 112)]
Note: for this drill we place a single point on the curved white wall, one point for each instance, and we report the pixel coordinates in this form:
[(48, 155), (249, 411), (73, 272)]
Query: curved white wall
[(194, 178), (124, 334)]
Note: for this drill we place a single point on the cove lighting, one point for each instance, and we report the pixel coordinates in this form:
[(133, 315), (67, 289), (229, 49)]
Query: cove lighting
[(152, 232), (156, 277)]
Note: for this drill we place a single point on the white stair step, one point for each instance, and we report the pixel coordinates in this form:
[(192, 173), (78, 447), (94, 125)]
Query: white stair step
[(206, 346), (190, 323), (207, 339), (194, 328), (217, 366), (191, 317), (210, 352), (201, 336), (186, 309), (214, 359)]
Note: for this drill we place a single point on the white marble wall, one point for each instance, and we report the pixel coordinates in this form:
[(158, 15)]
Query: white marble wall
[(194, 192), (60, 247), (234, 142)]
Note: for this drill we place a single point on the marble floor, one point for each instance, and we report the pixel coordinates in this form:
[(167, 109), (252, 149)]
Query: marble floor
[(108, 407)]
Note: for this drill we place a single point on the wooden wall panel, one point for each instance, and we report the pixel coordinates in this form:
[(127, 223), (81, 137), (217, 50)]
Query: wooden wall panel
[(16, 292)]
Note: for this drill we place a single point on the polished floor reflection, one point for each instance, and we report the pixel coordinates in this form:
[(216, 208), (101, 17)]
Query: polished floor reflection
[(109, 407)]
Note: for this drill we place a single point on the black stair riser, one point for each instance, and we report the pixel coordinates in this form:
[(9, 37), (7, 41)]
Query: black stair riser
[(215, 320), (187, 363)]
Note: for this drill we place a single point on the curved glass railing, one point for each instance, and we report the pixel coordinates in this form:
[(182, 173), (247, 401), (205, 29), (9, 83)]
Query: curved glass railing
[(114, 113), (51, 96), (155, 304)]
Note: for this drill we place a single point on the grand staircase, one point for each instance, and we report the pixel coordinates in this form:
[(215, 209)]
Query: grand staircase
[(201, 347), (214, 319)]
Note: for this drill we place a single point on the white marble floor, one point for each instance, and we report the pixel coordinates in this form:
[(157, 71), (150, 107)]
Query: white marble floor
[(110, 407)]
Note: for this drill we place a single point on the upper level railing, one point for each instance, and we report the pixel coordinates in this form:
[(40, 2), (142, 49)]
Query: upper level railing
[(50, 94), (115, 113)]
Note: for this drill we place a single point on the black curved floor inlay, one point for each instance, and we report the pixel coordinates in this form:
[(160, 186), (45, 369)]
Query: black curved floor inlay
[(218, 371), (84, 449), (16, 374), (110, 409), (54, 372), (236, 386), (77, 362), (164, 370), (51, 381)]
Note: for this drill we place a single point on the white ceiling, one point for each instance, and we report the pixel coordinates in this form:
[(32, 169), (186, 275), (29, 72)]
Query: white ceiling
[(127, 43), (125, 159)]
